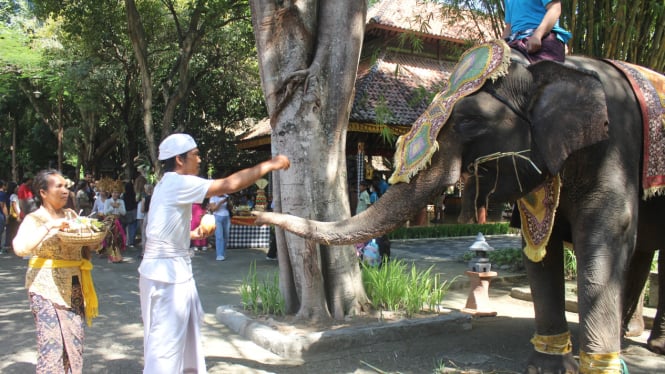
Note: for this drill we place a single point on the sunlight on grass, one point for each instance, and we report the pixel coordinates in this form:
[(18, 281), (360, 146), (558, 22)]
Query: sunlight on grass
[(394, 287)]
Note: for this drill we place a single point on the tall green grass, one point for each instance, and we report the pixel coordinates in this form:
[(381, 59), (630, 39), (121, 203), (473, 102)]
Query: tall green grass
[(395, 287), (262, 296)]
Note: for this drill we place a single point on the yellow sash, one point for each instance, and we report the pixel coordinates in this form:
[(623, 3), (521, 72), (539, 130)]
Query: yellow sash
[(87, 286)]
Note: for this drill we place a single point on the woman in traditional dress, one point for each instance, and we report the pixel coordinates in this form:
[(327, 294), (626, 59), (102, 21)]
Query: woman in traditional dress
[(58, 280), (115, 243)]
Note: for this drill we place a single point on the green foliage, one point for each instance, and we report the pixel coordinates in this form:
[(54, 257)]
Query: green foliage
[(647, 287), (410, 40), (384, 116), (569, 263), (80, 52), (17, 51), (449, 230), (393, 287), (262, 296)]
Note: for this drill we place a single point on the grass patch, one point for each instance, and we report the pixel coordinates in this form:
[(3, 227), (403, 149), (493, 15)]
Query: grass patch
[(395, 287), (569, 263), (262, 296)]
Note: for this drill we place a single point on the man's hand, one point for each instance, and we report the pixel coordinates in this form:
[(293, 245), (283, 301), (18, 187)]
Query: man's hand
[(280, 162), (198, 234), (533, 44)]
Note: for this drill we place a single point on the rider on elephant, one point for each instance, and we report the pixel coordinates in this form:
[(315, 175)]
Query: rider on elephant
[(532, 27)]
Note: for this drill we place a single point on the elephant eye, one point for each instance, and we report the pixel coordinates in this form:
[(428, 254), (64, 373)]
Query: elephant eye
[(470, 126)]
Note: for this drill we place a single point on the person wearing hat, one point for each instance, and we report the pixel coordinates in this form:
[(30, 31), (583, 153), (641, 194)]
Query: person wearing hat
[(170, 305)]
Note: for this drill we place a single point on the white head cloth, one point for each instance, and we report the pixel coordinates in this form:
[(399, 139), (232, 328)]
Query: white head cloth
[(175, 144)]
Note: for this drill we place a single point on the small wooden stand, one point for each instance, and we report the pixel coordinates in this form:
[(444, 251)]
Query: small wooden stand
[(478, 302)]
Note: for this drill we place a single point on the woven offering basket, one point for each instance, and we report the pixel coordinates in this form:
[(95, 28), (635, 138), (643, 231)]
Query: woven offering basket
[(82, 238)]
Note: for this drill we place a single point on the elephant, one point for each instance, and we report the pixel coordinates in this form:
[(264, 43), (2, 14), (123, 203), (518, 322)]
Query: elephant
[(579, 120), (648, 240)]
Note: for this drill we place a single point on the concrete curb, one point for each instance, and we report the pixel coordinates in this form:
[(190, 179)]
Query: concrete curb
[(297, 346)]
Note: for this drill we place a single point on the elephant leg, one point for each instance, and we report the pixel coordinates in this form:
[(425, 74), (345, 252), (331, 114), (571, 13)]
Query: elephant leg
[(548, 292), (603, 248), (638, 272), (656, 341), (650, 237)]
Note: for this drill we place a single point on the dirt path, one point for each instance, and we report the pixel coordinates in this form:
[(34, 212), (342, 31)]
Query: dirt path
[(114, 343)]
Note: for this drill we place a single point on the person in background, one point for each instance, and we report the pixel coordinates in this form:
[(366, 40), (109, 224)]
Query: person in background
[(532, 27), (139, 183), (381, 184), (272, 246), (198, 210), (439, 208), (25, 196), (90, 187), (98, 206), (71, 199), (373, 195), (4, 210), (82, 200), (116, 243), (170, 305), (145, 207), (363, 198), (219, 206), (129, 221), (140, 215), (59, 282), (14, 218), (115, 205)]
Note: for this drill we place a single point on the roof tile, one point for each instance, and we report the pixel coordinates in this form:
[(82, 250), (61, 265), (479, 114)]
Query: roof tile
[(399, 85), (430, 18)]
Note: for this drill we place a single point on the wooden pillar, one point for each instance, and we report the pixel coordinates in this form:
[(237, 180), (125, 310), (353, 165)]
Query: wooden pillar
[(478, 302)]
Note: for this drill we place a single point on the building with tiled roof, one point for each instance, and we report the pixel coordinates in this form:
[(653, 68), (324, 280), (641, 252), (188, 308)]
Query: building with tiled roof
[(429, 20), (409, 49)]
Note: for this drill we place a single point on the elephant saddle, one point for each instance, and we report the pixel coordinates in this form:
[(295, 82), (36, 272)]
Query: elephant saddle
[(537, 209), (649, 88)]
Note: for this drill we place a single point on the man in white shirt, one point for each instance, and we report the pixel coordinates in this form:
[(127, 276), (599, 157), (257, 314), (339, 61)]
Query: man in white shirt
[(170, 305)]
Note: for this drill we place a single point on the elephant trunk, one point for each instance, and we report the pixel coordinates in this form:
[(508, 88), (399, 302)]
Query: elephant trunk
[(400, 202)]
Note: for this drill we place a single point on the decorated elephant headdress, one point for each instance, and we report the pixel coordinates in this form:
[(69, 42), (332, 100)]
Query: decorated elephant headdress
[(477, 65)]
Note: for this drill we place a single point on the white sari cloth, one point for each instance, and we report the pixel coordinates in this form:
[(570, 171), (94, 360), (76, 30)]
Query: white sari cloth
[(172, 317)]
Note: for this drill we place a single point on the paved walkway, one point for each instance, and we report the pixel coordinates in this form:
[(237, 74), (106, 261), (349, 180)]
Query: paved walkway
[(114, 342)]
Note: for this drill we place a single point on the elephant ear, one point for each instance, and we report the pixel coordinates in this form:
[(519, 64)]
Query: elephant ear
[(568, 111)]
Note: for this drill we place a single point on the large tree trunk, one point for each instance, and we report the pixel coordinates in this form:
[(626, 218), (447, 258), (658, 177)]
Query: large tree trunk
[(308, 57), (139, 43)]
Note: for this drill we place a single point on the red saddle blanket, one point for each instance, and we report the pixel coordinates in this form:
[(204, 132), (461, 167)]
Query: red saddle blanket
[(649, 88)]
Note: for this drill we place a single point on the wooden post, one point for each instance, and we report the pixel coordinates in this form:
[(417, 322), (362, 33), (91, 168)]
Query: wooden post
[(478, 302)]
